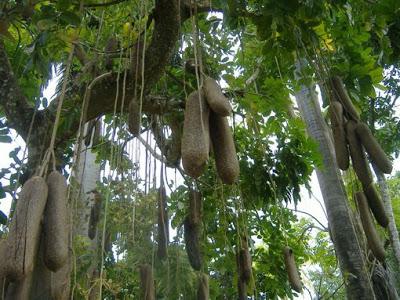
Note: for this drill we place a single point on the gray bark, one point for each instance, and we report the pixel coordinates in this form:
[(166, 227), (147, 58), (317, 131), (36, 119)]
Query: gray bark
[(393, 233), (350, 256), (87, 175)]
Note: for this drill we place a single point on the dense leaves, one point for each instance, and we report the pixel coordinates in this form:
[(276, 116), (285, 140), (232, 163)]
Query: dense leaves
[(251, 48)]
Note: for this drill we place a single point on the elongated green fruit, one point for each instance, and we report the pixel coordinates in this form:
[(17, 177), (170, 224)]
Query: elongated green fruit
[(376, 205), (374, 243), (215, 98), (55, 225), (24, 235), (291, 269), (343, 96), (224, 149), (373, 148), (195, 136), (357, 154), (203, 292), (339, 135)]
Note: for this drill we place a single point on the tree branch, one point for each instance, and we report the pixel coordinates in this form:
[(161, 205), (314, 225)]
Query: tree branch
[(104, 4), (16, 107)]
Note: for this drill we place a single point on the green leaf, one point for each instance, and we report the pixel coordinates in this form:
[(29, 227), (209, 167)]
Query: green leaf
[(3, 218), (5, 139)]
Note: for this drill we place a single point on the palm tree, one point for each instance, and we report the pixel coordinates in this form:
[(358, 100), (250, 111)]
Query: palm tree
[(342, 230)]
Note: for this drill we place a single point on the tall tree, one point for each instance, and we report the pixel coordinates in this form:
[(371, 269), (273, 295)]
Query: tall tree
[(343, 233)]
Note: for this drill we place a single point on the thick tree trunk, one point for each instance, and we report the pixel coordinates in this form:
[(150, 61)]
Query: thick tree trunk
[(350, 256), (87, 175), (393, 233)]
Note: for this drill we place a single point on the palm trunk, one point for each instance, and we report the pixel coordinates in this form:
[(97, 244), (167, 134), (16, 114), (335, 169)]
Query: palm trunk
[(87, 175), (393, 233), (350, 256)]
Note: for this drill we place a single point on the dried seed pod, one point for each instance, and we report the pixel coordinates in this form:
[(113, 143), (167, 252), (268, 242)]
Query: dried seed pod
[(20, 290), (291, 269), (192, 243), (195, 207), (218, 103), (162, 227), (376, 205), (96, 133), (339, 135), (147, 282), (343, 96), (89, 132), (357, 154), (111, 46), (371, 145), (242, 290), (203, 291), (245, 265), (241, 284), (374, 242), (55, 226), (174, 145), (24, 235), (94, 216), (224, 149), (61, 280), (134, 117), (195, 136)]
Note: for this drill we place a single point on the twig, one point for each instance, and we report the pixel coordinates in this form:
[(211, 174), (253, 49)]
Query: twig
[(310, 215)]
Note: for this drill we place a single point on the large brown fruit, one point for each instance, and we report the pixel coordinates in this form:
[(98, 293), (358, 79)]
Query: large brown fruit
[(192, 244), (374, 242), (343, 96), (20, 289), (89, 132), (134, 117), (94, 216), (339, 135), (55, 225), (162, 225), (61, 280), (215, 98), (371, 145), (24, 235), (195, 136), (291, 269), (224, 149), (360, 163), (147, 282), (245, 264), (376, 205), (242, 289), (195, 207), (203, 292)]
